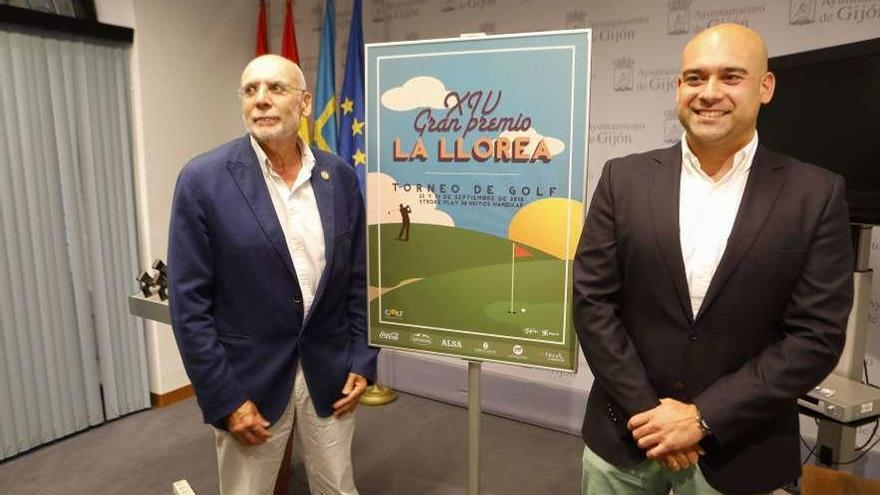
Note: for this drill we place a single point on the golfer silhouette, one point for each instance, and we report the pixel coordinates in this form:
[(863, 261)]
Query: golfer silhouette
[(404, 227)]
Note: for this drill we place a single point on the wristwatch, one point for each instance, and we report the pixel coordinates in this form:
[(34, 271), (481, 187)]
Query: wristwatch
[(704, 427)]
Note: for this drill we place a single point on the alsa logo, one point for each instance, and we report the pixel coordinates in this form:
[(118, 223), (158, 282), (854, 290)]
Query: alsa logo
[(451, 343), (389, 335)]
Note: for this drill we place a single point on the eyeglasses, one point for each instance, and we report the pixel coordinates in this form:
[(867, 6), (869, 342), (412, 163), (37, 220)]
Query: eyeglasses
[(274, 88)]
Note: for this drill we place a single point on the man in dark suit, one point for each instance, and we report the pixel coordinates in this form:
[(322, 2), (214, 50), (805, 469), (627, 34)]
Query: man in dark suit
[(712, 285), (267, 283)]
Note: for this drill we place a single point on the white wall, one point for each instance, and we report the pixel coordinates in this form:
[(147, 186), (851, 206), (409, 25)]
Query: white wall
[(186, 61)]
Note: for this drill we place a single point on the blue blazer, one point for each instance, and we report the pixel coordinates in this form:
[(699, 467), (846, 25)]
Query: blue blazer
[(236, 306)]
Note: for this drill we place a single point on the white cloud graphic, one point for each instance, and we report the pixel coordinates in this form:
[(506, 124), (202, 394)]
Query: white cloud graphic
[(553, 144), (418, 92), (383, 203)]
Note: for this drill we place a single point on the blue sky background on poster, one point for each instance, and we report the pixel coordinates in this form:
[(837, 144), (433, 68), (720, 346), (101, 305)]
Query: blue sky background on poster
[(530, 96)]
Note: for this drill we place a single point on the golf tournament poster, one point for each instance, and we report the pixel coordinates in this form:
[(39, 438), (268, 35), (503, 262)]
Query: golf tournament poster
[(476, 183)]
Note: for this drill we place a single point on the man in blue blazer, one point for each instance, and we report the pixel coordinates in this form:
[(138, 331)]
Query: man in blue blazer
[(267, 278)]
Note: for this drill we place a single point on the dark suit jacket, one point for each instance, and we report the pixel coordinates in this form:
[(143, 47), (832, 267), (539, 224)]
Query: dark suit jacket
[(236, 306), (770, 327)]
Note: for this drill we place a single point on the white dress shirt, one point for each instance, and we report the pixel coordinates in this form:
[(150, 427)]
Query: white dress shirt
[(707, 210), (297, 211)]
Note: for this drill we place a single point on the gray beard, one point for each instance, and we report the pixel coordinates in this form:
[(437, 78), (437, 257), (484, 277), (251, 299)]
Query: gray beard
[(263, 134)]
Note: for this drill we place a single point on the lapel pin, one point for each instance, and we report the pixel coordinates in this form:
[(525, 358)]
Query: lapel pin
[(325, 175)]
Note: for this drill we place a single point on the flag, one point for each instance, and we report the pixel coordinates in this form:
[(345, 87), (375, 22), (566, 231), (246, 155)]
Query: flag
[(262, 40), (288, 37), (520, 252), (325, 93), (289, 51), (351, 121)]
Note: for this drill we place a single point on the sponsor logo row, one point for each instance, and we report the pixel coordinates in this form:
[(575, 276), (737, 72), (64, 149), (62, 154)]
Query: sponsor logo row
[(484, 348)]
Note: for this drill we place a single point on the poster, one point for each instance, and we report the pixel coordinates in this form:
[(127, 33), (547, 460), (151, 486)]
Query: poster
[(476, 159)]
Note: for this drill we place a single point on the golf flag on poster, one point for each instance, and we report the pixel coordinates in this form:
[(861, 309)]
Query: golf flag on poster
[(476, 189), (289, 51), (262, 38), (325, 93), (351, 120)]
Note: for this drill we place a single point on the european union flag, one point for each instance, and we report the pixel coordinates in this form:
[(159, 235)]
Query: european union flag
[(351, 122), (325, 96)]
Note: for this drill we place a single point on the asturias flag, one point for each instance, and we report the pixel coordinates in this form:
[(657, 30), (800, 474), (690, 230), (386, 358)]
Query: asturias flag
[(351, 121), (325, 96), (289, 51)]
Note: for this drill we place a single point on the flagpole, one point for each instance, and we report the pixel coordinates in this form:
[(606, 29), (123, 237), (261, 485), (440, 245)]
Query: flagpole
[(512, 271)]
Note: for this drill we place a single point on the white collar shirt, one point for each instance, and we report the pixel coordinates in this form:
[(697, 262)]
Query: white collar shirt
[(707, 211), (297, 210)]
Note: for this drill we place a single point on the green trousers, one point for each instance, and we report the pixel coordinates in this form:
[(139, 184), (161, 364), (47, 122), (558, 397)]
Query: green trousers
[(648, 478)]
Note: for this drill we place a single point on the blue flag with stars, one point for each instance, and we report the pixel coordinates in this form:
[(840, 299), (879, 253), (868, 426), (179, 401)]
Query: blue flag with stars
[(351, 121)]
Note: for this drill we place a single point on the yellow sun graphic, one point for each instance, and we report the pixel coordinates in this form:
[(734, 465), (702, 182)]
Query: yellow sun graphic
[(552, 225)]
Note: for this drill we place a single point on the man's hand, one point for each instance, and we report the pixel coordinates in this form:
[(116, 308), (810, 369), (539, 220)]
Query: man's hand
[(670, 427), (354, 388), (682, 459), (248, 425)]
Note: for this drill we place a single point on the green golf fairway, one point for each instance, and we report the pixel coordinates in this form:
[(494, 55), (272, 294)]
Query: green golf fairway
[(466, 283)]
